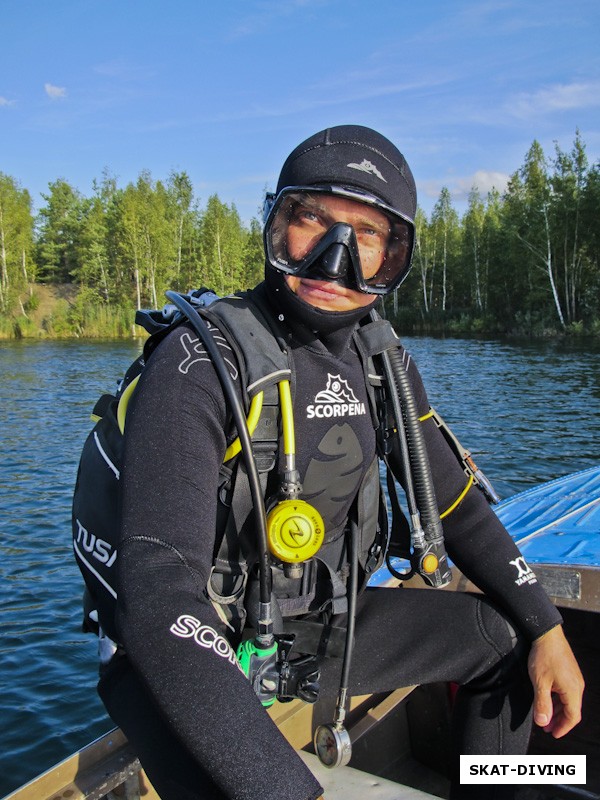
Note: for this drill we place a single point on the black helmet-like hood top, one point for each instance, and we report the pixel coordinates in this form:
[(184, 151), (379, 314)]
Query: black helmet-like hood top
[(356, 157)]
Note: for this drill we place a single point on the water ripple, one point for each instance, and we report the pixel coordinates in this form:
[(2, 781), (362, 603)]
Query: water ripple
[(528, 411)]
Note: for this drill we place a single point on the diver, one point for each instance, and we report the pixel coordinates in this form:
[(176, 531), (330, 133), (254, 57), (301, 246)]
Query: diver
[(196, 582)]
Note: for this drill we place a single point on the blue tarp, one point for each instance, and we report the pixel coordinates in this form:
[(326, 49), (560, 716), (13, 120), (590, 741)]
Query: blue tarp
[(557, 522), (554, 523)]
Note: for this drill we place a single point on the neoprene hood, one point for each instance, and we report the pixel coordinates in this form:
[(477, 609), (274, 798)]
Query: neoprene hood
[(355, 157)]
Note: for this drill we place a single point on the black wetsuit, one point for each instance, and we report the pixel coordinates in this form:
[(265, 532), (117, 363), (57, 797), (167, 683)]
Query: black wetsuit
[(179, 694)]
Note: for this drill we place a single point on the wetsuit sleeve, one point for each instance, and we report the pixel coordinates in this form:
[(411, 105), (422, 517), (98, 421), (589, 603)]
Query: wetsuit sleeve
[(476, 540), (173, 637)]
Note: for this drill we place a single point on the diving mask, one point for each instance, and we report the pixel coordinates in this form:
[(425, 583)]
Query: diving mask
[(339, 235)]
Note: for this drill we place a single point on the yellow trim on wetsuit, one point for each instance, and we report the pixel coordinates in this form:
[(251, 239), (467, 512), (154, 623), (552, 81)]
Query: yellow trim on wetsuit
[(460, 497), (289, 437), (470, 481)]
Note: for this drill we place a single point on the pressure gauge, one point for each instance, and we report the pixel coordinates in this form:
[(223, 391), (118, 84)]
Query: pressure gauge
[(333, 745)]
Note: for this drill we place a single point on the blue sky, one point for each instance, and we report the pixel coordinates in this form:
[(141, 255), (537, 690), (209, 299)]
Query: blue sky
[(224, 90)]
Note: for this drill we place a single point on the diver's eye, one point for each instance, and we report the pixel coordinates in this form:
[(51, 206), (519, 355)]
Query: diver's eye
[(372, 237), (373, 232), (305, 216), (308, 215)]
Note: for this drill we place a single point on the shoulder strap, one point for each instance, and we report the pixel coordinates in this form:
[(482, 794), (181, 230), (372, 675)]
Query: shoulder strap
[(264, 361), (240, 319)]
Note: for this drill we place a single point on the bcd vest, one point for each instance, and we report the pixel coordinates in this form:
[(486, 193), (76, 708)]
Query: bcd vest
[(263, 362)]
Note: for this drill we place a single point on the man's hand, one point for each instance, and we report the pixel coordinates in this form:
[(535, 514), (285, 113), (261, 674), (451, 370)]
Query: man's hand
[(557, 683)]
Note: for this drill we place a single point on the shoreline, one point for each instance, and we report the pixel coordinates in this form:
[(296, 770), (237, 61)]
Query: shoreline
[(60, 312)]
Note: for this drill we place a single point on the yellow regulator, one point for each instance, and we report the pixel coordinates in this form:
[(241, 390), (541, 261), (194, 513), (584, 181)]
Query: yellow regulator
[(295, 531)]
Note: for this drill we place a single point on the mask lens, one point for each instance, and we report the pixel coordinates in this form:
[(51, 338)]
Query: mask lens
[(300, 220), (289, 231), (396, 258)]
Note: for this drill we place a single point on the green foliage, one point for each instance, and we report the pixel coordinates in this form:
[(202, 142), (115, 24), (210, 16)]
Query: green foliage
[(19, 328), (58, 232), (16, 240), (58, 324), (222, 243), (526, 262), (32, 303), (253, 256), (103, 322)]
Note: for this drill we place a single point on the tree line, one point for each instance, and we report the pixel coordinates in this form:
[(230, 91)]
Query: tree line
[(525, 261)]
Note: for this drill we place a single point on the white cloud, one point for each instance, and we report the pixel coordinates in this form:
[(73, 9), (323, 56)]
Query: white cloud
[(55, 92), (124, 69), (324, 96), (482, 180), (560, 97), (269, 11), (5, 102)]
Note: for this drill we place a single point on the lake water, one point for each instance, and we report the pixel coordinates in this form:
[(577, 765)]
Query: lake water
[(529, 411)]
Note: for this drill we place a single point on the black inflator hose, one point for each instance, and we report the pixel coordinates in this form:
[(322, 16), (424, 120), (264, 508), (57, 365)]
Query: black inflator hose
[(429, 554), (419, 459), (352, 600)]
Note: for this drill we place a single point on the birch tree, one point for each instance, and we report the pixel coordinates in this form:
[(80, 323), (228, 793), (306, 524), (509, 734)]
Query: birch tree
[(181, 195), (424, 257), (444, 221), (222, 243), (568, 185), (537, 232), (94, 270), (473, 224), (147, 239), (16, 239)]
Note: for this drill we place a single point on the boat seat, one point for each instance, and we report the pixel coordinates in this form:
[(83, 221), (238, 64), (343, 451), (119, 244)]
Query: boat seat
[(108, 768), (347, 783)]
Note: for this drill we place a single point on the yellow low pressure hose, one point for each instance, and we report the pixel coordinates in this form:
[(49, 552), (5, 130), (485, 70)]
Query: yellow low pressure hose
[(460, 497), (287, 420), (124, 402), (233, 449), (252, 421)]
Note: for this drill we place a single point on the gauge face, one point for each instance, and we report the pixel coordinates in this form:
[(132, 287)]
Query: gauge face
[(332, 745), (326, 745)]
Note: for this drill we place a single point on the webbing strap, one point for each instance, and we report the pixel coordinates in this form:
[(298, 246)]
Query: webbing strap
[(377, 337), (233, 554), (400, 532)]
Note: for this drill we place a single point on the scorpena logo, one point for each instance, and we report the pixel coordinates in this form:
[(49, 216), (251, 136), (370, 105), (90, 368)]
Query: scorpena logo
[(188, 627), (336, 400), (525, 573)]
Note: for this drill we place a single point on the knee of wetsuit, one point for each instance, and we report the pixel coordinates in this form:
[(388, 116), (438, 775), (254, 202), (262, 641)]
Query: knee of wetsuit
[(510, 646)]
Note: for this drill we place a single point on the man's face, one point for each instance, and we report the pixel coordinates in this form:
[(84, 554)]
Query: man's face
[(308, 224)]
